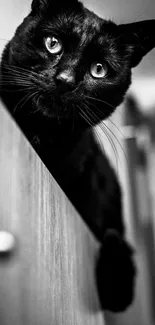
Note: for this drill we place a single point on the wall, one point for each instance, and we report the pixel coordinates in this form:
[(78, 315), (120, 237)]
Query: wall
[(120, 11)]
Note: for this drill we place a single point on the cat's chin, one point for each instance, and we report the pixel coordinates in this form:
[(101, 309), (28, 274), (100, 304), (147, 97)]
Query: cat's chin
[(51, 108), (58, 116)]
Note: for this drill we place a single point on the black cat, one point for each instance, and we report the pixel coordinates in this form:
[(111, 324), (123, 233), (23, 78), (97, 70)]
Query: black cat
[(64, 71)]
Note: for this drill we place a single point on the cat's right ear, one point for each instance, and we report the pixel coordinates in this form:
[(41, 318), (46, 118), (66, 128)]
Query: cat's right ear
[(39, 6), (138, 38)]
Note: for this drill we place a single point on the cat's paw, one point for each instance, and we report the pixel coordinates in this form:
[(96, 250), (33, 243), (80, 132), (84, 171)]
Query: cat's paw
[(115, 273)]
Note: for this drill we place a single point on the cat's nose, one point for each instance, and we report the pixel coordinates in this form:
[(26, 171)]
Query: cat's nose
[(65, 80)]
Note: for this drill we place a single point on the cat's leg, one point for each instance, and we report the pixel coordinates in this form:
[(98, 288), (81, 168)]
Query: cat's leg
[(115, 272), (93, 188)]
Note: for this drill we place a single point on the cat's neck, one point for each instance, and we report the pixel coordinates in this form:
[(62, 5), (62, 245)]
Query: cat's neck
[(58, 136), (53, 138)]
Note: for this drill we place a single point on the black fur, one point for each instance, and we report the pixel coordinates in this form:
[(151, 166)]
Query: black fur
[(57, 115)]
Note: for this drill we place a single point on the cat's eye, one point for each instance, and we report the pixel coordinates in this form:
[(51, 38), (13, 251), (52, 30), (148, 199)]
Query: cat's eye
[(98, 70), (53, 45)]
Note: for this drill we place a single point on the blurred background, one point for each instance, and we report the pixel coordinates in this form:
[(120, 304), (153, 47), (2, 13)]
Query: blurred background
[(131, 149)]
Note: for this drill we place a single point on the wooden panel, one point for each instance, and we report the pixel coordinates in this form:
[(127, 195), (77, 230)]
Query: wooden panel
[(49, 280)]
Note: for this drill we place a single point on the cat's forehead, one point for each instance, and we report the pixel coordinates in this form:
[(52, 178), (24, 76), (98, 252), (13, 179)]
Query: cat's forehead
[(88, 23), (87, 29), (85, 25)]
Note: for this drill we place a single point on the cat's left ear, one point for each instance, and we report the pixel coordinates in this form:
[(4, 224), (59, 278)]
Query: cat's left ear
[(39, 6), (139, 38)]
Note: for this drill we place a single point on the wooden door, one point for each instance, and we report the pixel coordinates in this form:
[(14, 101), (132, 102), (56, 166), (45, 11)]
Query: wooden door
[(49, 277)]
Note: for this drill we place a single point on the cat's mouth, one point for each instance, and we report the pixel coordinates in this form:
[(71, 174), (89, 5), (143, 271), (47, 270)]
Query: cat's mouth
[(58, 106), (72, 107)]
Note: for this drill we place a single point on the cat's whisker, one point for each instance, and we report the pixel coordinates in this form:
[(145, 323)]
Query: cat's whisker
[(15, 73), (117, 128), (73, 120), (116, 139), (39, 109), (84, 116), (11, 84), (113, 134), (37, 104), (104, 102), (22, 71), (20, 101), (103, 126), (21, 84), (18, 69), (16, 80), (103, 116), (99, 100), (89, 121), (7, 76), (75, 112), (19, 90), (96, 132), (24, 100), (93, 115), (36, 99), (32, 95)]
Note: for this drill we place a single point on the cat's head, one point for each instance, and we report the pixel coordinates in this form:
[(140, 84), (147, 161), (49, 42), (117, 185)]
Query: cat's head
[(70, 61)]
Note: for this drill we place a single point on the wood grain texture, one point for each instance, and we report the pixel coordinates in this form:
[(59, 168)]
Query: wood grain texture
[(49, 280)]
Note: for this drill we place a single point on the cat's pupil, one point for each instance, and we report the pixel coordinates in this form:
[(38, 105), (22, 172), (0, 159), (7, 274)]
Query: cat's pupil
[(99, 67), (98, 70), (53, 43)]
